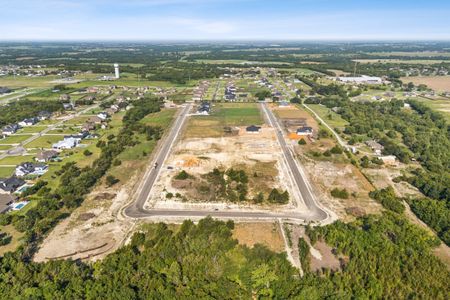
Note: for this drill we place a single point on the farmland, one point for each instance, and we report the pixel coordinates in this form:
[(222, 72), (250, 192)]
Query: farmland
[(439, 83)]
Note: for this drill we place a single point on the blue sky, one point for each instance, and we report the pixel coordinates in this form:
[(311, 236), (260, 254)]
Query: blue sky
[(224, 20)]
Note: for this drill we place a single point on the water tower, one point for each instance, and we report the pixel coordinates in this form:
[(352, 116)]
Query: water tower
[(116, 71)]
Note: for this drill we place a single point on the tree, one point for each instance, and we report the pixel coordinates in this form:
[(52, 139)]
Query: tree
[(87, 152), (111, 180), (302, 141)]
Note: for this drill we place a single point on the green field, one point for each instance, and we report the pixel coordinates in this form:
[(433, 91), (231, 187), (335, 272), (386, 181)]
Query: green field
[(224, 114), (15, 160), (45, 141), (333, 119), (162, 118), (442, 106), (32, 129), (14, 139), (6, 171)]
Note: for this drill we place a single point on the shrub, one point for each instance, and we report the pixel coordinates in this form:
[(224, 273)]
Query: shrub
[(340, 193), (183, 175), (87, 152), (302, 141), (111, 180)]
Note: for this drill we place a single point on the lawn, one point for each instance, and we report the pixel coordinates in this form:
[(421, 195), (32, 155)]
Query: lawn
[(32, 129), (4, 147), (14, 139), (15, 160), (6, 171), (45, 141), (333, 119), (64, 130), (224, 114), (15, 241), (80, 120), (162, 118)]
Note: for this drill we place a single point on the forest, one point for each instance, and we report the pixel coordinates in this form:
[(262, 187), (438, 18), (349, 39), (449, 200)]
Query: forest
[(204, 262)]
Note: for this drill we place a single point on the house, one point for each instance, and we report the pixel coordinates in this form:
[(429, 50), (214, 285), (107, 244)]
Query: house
[(376, 147), (29, 122), (10, 129), (67, 143), (64, 97), (77, 137), (29, 168), (95, 120), (45, 156), (10, 185), (5, 201), (88, 126), (389, 160), (44, 115), (304, 130), (253, 129), (103, 115), (5, 90), (68, 106)]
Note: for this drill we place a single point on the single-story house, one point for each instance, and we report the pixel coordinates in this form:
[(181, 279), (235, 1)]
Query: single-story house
[(5, 201), (64, 97), (376, 147), (47, 155), (305, 130), (29, 168), (29, 122), (44, 115), (68, 106), (10, 185), (67, 143), (103, 115), (95, 120), (10, 129), (389, 159), (253, 129), (88, 126)]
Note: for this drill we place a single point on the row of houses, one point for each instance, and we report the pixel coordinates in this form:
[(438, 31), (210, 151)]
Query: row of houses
[(13, 128), (200, 91)]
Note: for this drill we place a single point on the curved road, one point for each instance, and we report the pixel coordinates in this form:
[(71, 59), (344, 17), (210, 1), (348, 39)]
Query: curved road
[(136, 208)]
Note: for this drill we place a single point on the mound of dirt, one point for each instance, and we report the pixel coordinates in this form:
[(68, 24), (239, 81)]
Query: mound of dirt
[(105, 196), (86, 216)]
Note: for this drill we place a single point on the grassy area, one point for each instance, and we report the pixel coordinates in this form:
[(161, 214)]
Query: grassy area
[(6, 171), (4, 147), (15, 241), (15, 160), (32, 129), (330, 117), (80, 120), (45, 141), (162, 118), (14, 139), (64, 130), (442, 106), (224, 114)]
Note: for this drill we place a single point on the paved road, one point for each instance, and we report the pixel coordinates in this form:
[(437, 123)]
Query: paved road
[(297, 174), (136, 209)]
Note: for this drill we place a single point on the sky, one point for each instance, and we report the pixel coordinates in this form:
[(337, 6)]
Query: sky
[(224, 20)]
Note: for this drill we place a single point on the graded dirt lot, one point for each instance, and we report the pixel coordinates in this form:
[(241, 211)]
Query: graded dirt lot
[(257, 154), (438, 83), (267, 234)]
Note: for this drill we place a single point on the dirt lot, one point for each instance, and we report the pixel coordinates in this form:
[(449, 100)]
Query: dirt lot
[(292, 112), (267, 234), (337, 172), (438, 83), (258, 154)]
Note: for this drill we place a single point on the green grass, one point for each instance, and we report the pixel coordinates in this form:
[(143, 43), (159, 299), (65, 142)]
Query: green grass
[(45, 141), (32, 129), (15, 160), (64, 130), (15, 241), (4, 147), (162, 118), (77, 120), (442, 106), (333, 119), (14, 139), (237, 114), (6, 171)]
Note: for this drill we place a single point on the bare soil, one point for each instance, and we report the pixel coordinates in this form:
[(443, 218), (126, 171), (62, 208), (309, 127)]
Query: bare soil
[(267, 234), (439, 83)]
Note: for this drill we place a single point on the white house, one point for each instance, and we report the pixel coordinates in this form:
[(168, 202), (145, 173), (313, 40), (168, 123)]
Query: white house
[(304, 131), (361, 80), (67, 143), (29, 168), (103, 115)]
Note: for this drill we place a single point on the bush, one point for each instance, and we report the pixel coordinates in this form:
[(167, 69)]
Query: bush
[(302, 141), (336, 150), (169, 195), (5, 219), (87, 152), (340, 193), (183, 175), (276, 197), (111, 180)]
